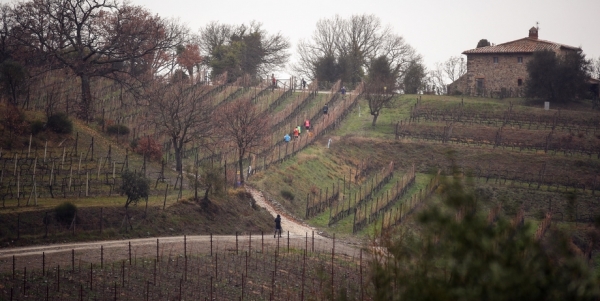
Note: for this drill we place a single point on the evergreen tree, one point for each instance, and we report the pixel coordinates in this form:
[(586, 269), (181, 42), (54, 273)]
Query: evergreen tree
[(483, 43), (413, 79), (557, 78)]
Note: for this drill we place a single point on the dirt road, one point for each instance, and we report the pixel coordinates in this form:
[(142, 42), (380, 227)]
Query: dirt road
[(296, 235), (288, 223)]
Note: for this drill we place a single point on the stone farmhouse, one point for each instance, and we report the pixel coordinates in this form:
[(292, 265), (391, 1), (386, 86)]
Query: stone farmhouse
[(501, 70)]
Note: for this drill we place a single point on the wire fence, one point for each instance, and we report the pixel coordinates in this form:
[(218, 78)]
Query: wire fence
[(200, 268)]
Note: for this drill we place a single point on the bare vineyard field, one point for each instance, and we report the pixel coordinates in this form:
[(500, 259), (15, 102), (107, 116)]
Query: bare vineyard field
[(249, 268)]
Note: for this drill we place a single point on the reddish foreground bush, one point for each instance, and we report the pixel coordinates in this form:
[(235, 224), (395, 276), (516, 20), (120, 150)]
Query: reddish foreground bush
[(149, 147)]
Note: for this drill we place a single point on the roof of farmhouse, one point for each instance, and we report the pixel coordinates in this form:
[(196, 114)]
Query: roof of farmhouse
[(528, 44)]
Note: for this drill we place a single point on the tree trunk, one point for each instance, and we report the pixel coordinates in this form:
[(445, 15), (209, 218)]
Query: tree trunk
[(241, 165), (85, 106), (206, 192), (191, 72), (178, 147), (375, 119), (196, 185)]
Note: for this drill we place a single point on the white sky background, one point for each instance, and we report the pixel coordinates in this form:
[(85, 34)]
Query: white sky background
[(437, 29)]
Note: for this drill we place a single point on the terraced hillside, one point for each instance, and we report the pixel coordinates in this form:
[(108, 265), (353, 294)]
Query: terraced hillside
[(519, 157)]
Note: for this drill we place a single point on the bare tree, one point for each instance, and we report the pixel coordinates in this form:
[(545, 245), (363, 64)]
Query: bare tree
[(243, 126), (188, 57), (399, 54), (16, 62), (378, 95), (243, 49), (436, 79), (181, 113), (323, 44), (454, 68), (214, 35), (446, 73), (595, 68), (356, 41), (92, 38)]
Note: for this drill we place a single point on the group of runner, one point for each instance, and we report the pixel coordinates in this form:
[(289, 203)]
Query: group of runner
[(297, 131)]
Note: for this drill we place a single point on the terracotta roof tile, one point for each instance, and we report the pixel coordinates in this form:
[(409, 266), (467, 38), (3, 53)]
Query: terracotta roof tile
[(524, 45)]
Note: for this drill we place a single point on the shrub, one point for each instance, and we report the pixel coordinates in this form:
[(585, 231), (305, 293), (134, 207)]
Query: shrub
[(289, 179), (135, 186), (149, 147), (314, 189), (117, 129), (288, 195), (14, 120), (36, 127), (60, 123), (65, 212)]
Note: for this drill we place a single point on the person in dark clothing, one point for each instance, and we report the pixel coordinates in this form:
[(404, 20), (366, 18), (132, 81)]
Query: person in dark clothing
[(325, 109), (277, 226)]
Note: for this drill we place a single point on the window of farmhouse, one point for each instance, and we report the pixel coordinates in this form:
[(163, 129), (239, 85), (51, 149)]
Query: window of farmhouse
[(480, 83), (520, 60), (519, 82), (495, 60)]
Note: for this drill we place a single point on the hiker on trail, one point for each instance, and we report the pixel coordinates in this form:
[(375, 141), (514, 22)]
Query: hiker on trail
[(296, 133), (277, 226), (325, 109), (273, 82), (343, 92), (303, 82), (287, 137), (299, 130), (307, 124)]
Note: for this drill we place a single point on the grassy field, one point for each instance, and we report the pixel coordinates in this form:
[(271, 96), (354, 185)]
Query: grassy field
[(352, 157), (534, 180), (104, 218)]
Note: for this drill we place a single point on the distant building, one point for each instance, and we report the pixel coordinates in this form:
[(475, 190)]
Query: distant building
[(501, 70)]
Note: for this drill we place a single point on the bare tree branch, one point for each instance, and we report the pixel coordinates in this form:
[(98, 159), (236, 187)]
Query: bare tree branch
[(243, 126)]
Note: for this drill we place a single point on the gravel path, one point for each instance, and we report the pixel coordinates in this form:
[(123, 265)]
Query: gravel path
[(288, 223), (296, 235)]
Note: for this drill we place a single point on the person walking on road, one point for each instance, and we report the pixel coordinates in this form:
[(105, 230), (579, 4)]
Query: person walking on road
[(277, 226)]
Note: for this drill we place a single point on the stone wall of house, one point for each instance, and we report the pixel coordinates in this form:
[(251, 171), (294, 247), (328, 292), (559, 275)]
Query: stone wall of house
[(502, 75), (458, 87)]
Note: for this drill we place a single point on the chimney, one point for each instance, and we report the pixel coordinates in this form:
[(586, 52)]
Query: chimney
[(533, 33)]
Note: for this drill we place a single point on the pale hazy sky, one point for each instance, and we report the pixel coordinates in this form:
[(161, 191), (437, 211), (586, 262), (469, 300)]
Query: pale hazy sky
[(437, 29)]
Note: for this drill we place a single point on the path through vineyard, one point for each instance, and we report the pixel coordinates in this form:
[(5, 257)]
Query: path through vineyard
[(300, 236)]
